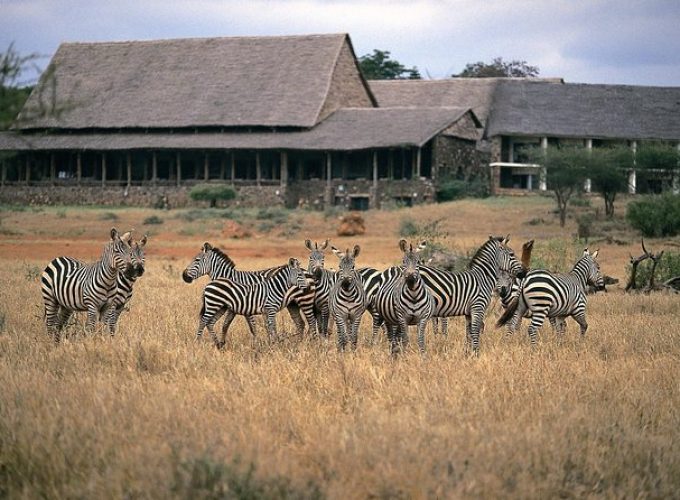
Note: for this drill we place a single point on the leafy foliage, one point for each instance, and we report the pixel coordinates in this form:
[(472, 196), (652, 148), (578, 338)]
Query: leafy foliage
[(607, 170), (656, 215), (498, 68), (667, 268), (455, 189), (379, 66), (13, 94), (212, 193)]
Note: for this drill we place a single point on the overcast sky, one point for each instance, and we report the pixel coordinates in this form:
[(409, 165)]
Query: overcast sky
[(598, 41)]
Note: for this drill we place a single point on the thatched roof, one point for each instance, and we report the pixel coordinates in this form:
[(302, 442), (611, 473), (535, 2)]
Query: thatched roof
[(585, 110), (280, 81), (345, 130)]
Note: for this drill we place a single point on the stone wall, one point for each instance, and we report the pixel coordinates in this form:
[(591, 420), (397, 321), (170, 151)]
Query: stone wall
[(137, 196), (457, 158)]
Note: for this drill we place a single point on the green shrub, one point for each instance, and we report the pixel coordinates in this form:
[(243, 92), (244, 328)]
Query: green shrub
[(104, 216), (276, 215), (455, 189), (153, 219), (655, 216), (212, 193)]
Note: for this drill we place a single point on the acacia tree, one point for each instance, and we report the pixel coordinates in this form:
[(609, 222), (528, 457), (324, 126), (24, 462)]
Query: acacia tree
[(498, 68), (657, 158), (12, 93), (608, 172), (565, 169), (379, 66)]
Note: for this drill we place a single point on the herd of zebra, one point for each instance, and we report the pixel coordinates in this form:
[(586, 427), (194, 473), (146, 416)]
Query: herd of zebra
[(409, 294)]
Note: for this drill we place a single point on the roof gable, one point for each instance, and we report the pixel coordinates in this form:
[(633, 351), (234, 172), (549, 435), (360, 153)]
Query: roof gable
[(239, 81)]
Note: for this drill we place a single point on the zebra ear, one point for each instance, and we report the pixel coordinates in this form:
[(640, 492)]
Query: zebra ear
[(337, 252), (357, 249), (308, 244), (207, 247), (125, 238), (114, 233), (293, 262), (506, 240), (594, 255), (324, 245), (402, 245), (143, 240), (585, 251)]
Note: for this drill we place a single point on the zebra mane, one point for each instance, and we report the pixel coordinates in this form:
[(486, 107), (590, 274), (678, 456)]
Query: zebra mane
[(480, 251), (224, 257)]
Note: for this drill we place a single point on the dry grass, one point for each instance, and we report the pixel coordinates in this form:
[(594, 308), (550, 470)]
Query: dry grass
[(154, 413)]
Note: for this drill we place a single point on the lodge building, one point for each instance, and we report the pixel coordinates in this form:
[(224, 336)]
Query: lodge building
[(290, 120)]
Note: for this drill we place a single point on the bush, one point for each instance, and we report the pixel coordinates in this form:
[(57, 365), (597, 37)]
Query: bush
[(154, 219), (456, 189), (104, 216), (212, 193), (655, 216)]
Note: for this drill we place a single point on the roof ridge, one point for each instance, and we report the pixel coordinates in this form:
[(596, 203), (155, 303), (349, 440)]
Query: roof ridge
[(203, 38)]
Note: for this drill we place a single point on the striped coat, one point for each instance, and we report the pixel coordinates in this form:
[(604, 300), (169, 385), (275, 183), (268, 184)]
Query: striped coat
[(68, 285), (347, 298), (554, 295)]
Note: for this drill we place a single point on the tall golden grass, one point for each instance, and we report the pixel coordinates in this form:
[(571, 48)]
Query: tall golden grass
[(154, 413)]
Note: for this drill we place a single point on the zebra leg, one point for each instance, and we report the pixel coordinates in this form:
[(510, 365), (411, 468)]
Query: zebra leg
[(112, 319), (580, 318), (251, 325), (421, 334), (92, 313), (355, 322), (325, 315), (294, 311), (270, 314), (537, 319), (377, 323), (393, 337), (476, 326), (228, 318), (52, 317), (342, 334), (311, 320), (444, 325)]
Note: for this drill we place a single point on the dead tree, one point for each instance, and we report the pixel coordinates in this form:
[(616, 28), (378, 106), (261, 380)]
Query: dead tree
[(672, 284)]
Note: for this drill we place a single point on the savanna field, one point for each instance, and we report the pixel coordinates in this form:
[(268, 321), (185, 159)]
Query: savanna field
[(154, 413)]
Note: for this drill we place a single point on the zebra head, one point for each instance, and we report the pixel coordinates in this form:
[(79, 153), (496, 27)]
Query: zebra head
[(347, 275), (316, 257), (201, 264), (593, 275), (410, 266), (296, 275), (504, 284), (137, 255), (119, 253), (505, 258)]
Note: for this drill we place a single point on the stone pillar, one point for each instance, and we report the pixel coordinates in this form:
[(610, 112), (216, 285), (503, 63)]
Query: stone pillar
[(632, 175), (223, 167), (419, 155), (374, 199), (375, 169), (390, 164), (284, 168), (28, 168), (233, 167), (588, 186), (3, 178)]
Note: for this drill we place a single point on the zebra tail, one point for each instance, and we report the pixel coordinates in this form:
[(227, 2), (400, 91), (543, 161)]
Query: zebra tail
[(509, 312)]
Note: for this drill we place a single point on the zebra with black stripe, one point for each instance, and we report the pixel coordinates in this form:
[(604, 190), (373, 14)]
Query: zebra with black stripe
[(69, 285), (403, 299), (216, 264), (124, 285), (554, 295), (347, 298), (226, 297), (324, 279), (468, 293)]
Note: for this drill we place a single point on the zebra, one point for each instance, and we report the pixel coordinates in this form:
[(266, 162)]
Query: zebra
[(347, 298), (325, 280), (217, 264), (124, 284), (267, 297), (68, 285), (403, 299), (555, 295), (468, 293)]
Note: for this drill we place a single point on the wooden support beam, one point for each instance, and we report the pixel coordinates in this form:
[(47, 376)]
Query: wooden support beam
[(178, 166), (129, 168), (233, 167), (375, 169), (206, 167), (28, 168), (53, 167), (329, 170), (258, 168), (419, 155), (223, 166), (79, 167), (154, 168), (284, 168), (3, 179), (103, 169)]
